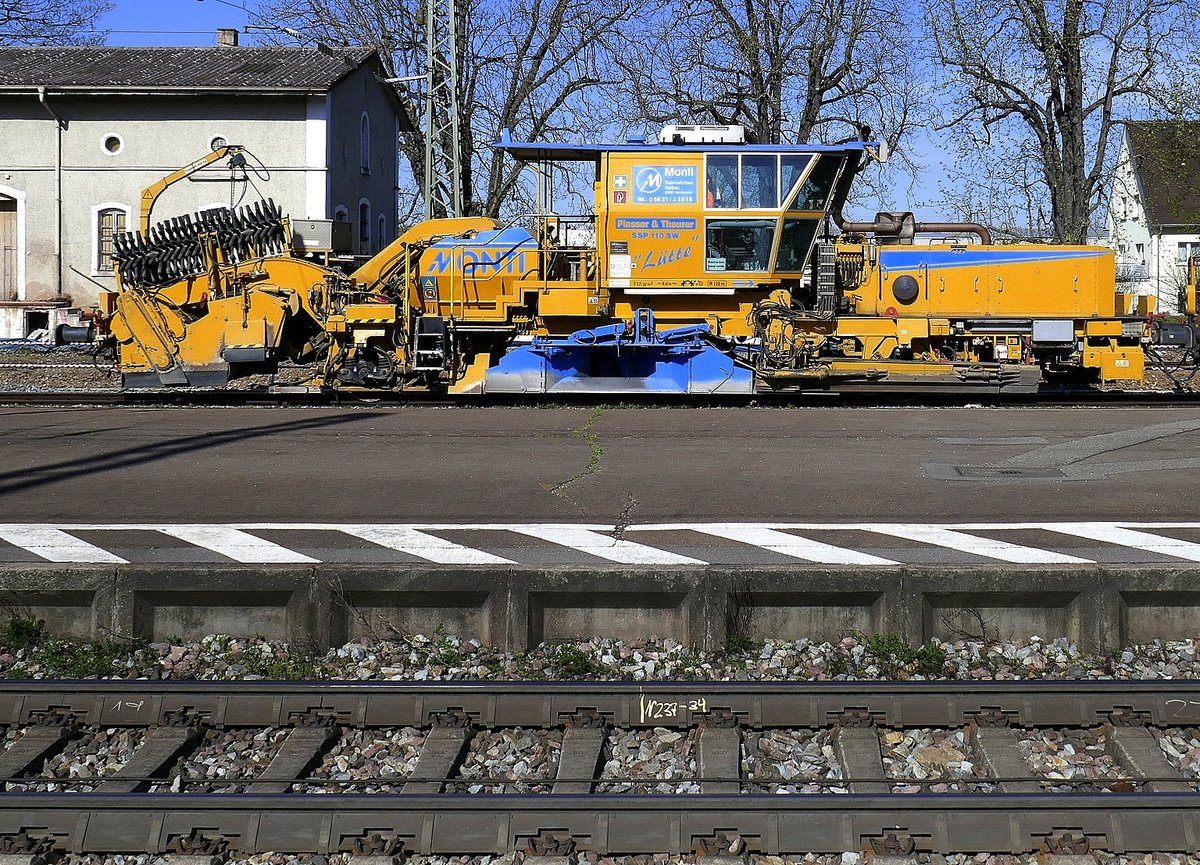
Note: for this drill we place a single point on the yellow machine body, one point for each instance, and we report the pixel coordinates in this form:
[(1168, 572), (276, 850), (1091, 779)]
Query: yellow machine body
[(701, 267)]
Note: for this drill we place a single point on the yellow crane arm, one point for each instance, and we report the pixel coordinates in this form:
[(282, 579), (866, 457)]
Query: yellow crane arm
[(151, 193), (375, 271)]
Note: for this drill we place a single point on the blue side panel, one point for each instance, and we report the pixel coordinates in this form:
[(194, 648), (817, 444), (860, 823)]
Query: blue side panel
[(512, 236), (936, 257), (613, 359), (508, 250)]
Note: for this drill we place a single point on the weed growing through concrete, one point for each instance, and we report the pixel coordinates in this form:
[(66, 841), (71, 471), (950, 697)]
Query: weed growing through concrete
[(592, 439)]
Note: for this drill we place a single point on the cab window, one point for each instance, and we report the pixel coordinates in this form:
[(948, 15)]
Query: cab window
[(739, 244), (813, 194), (760, 182), (721, 181), (795, 243), (792, 167)]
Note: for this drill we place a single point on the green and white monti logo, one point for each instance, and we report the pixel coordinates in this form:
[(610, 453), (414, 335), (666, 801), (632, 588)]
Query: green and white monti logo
[(665, 184)]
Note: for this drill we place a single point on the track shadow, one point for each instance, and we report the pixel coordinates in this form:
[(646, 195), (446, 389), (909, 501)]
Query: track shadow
[(20, 480)]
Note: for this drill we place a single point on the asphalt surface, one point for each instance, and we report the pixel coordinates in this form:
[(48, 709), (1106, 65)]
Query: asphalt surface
[(833, 476)]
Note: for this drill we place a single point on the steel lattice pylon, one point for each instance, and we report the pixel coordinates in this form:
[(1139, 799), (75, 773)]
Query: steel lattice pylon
[(443, 163)]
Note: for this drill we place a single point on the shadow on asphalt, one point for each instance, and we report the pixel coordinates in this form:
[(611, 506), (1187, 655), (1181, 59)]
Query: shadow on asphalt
[(19, 480)]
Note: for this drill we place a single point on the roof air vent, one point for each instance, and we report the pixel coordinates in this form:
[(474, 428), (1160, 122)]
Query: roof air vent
[(676, 133)]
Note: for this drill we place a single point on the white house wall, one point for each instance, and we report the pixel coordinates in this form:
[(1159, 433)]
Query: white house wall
[(1141, 245), (1128, 228), (159, 136)]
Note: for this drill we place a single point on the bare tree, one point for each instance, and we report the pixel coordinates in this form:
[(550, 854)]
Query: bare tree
[(796, 70), (525, 65), (539, 82), (51, 22), (1057, 76)]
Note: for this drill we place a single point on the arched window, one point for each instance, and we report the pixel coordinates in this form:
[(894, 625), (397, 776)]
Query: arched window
[(364, 227), (109, 220), (381, 234), (364, 144)]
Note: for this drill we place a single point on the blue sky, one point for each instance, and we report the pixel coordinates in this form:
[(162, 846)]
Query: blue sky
[(195, 22), (172, 22)]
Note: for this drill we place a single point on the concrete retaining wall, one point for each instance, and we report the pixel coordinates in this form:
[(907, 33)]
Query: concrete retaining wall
[(1101, 608)]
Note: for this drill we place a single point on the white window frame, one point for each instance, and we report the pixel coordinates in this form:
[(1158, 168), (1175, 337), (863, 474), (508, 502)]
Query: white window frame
[(95, 231), (18, 195), (120, 139), (341, 213)]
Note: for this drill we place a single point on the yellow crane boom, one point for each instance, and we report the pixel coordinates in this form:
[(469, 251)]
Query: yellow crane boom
[(151, 193)]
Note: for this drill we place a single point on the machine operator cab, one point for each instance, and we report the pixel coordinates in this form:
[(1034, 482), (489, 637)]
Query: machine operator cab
[(699, 212)]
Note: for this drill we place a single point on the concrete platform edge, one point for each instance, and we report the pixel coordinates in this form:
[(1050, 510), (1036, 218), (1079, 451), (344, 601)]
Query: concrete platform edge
[(1100, 607)]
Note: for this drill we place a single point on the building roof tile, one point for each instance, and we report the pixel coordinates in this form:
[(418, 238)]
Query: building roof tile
[(1166, 156), (112, 68)]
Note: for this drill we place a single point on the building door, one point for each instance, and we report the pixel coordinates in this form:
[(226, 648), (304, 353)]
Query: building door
[(8, 248)]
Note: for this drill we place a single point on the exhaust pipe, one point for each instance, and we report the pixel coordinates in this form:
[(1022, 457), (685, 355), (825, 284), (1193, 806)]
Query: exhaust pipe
[(901, 226)]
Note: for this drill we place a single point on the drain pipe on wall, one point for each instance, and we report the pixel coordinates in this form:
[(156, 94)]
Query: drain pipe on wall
[(60, 125)]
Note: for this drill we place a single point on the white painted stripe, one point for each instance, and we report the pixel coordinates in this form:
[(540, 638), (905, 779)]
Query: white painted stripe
[(1110, 533), (790, 545), (55, 545), (237, 545), (986, 547), (55, 542), (605, 546), (430, 547)]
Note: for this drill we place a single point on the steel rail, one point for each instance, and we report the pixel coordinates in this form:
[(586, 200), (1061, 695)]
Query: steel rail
[(606, 824), (1162, 816), (1027, 703)]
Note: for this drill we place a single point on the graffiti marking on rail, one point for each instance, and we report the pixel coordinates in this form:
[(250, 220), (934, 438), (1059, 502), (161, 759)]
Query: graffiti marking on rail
[(650, 709)]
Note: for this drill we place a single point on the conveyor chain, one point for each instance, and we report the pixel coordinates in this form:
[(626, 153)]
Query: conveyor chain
[(183, 245)]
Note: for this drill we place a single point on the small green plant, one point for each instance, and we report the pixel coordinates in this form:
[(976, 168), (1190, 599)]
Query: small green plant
[(22, 632), (290, 668), (572, 662), (61, 659), (738, 644), (895, 656)]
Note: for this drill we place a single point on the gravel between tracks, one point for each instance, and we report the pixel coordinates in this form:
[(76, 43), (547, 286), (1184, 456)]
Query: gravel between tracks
[(659, 760), (848, 858), (422, 658)]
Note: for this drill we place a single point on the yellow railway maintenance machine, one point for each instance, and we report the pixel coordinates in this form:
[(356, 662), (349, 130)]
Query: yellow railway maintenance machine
[(707, 266)]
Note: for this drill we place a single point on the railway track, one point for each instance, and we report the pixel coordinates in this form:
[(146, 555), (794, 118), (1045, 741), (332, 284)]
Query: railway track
[(202, 397), (577, 802)]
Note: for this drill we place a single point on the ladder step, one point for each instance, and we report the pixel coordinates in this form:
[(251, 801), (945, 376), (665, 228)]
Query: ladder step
[(720, 756), (36, 745), (1136, 750), (996, 748)]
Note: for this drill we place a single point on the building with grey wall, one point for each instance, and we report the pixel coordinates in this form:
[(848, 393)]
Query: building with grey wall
[(83, 130)]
